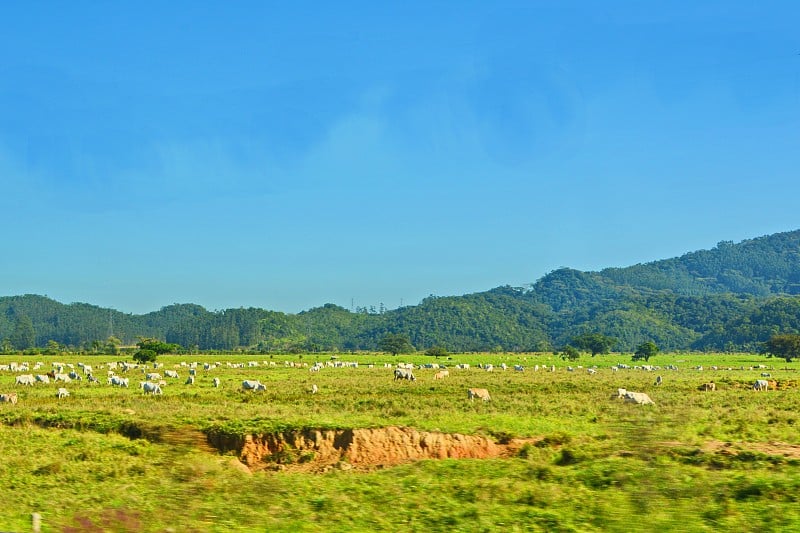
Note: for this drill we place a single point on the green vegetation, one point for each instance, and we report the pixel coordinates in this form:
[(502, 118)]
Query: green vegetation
[(395, 344), (596, 343), (734, 297), (695, 461), (645, 351), (784, 346)]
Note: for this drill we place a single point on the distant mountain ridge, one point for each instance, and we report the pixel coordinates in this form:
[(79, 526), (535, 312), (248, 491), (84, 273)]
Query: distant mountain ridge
[(733, 296)]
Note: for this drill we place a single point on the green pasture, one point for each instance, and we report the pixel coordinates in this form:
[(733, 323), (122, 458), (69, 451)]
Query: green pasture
[(108, 459)]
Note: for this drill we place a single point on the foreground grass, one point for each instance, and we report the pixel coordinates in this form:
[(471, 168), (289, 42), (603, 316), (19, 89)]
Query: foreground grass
[(600, 465)]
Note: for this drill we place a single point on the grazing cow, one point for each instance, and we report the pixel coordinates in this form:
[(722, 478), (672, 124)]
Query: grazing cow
[(25, 379), (189, 380), (483, 394), (118, 381), (639, 398), (43, 378), (591, 371), (766, 375), (152, 376), (74, 375), (170, 374), (659, 380), (441, 374), (62, 377), (761, 384), (62, 392), (253, 384), (193, 371), (519, 368), (710, 386), (150, 388), (92, 379), (404, 373), (215, 382), (619, 394), (314, 388), (10, 397), (489, 368)]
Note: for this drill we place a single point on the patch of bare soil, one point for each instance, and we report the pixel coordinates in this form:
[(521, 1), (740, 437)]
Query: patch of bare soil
[(783, 449), (320, 450)]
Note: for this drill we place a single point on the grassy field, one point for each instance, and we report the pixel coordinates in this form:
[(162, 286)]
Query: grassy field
[(112, 459)]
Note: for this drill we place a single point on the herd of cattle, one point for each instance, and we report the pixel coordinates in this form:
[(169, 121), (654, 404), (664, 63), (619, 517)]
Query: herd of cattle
[(116, 375)]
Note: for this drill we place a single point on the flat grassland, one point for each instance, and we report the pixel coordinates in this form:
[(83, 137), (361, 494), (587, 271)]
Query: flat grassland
[(113, 459)]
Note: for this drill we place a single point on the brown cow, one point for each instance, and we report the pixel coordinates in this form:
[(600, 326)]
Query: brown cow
[(10, 397), (483, 394)]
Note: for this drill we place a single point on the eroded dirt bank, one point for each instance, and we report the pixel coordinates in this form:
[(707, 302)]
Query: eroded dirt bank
[(358, 447)]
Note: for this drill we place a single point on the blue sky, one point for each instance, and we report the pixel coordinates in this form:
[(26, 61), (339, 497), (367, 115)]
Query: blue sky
[(286, 155)]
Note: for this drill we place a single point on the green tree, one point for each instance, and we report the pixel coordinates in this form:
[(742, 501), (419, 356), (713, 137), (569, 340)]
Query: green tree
[(53, 348), (112, 345), (395, 343), (645, 351), (571, 353), (23, 336), (145, 356), (786, 346), (6, 346), (597, 343), (437, 351), (149, 349)]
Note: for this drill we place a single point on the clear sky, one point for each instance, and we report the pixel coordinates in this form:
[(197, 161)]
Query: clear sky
[(289, 154)]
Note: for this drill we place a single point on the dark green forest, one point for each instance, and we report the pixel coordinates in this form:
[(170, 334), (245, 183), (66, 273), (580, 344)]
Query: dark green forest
[(732, 297)]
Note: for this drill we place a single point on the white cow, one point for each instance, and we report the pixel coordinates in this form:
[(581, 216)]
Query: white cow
[(118, 381), (170, 374), (62, 392), (253, 384), (43, 378), (639, 398), (215, 382), (150, 388), (483, 394), (25, 379), (761, 384), (190, 380), (314, 388), (152, 376)]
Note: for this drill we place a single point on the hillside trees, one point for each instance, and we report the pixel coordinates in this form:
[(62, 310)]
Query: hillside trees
[(23, 336)]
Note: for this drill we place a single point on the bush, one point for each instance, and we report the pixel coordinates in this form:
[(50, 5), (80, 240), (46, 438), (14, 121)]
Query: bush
[(144, 356)]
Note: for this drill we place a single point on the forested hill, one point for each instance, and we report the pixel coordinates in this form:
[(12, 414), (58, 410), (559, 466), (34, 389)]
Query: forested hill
[(730, 297)]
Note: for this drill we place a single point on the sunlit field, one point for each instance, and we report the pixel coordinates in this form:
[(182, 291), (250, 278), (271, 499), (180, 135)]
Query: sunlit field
[(114, 459)]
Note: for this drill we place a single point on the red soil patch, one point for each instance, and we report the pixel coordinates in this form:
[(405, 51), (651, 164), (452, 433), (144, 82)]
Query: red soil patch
[(317, 449)]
